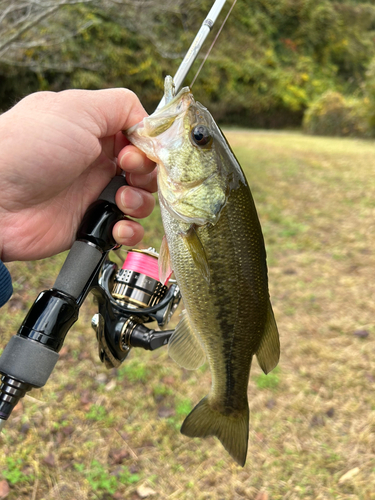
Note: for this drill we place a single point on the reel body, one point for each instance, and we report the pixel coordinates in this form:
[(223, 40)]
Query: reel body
[(127, 299)]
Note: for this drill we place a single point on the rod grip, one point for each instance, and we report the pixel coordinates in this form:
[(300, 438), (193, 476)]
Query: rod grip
[(94, 237), (28, 361), (77, 268), (109, 192)]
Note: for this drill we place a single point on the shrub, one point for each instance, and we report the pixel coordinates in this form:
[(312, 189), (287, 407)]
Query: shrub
[(370, 95), (333, 114)]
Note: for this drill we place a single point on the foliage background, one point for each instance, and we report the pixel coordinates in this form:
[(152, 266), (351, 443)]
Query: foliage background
[(272, 61)]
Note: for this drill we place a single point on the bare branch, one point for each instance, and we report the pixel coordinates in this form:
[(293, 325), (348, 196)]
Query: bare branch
[(28, 24), (26, 27), (58, 40)]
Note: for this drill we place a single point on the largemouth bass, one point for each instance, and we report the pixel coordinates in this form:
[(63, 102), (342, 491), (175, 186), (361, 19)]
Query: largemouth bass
[(214, 245)]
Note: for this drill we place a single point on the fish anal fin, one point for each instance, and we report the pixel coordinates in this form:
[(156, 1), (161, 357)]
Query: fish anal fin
[(232, 430), (268, 353), (184, 346), (197, 252), (164, 261)]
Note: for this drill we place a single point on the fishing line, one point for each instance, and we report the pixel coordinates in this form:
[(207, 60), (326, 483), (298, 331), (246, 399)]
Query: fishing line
[(213, 43), (142, 263)]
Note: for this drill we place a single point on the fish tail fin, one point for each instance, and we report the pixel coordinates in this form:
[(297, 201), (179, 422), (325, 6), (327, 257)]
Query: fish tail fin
[(232, 430)]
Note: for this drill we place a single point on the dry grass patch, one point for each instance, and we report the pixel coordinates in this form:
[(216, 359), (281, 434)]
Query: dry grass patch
[(92, 433)]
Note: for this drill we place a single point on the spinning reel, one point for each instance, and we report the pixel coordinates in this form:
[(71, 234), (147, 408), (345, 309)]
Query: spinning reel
[(127, 299)]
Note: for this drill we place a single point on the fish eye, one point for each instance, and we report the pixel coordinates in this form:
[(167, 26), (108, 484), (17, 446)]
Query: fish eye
[(201, 135)]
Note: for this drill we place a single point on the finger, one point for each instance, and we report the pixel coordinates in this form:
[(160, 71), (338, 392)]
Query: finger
[(135, 202), (119, 143), (111, 110), (131, 159), (148, 182), (128, 232)]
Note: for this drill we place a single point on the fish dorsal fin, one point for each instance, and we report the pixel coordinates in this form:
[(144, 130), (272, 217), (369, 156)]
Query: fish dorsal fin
[(184, 346), (268, 353), (197, 252), (164, 261)]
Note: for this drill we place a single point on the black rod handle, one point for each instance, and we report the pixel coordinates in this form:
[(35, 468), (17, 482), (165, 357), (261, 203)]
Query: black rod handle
[(30, 356), (94, 238)]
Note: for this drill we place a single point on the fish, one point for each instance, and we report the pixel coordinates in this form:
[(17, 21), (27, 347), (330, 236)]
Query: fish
[(214, 244)]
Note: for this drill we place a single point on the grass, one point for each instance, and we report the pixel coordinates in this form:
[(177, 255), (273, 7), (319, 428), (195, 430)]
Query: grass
[(97, 434)]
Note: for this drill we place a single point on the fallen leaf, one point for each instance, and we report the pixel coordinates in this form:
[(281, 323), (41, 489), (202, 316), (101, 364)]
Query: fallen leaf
[(271, 403), (145, 491), (165, 412), (18, 408), (362, 334), (16, 305), (118, 456), (68, 430), (259, 436), (169, 380), (330, 412), (50, 460), (4, 488), (262, 495), (63, 352), (25, 428), (111, 385), (349, 475), (101, 378), (289, 270), (85, 397)]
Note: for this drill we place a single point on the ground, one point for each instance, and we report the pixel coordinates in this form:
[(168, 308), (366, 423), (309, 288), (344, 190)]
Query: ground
[(91, 433)]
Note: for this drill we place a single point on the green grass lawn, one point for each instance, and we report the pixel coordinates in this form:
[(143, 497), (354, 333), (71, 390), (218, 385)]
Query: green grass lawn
[(97, 434)]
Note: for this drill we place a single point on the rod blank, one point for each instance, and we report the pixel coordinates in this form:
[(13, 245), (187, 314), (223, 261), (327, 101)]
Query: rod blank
[(195, 47)]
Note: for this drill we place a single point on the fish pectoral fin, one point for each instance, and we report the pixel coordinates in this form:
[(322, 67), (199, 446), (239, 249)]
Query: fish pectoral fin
[(164, 261), (184, 346), (197, 252), (268, 353), (232, 430)]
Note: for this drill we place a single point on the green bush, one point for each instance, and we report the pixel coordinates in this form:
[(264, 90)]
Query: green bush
[(333, 114), (370, 95)]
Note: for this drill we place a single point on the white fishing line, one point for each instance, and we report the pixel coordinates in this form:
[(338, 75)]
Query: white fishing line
[(212, 44)]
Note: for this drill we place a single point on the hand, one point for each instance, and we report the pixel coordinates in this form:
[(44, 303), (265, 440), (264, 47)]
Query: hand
[(57, 153)]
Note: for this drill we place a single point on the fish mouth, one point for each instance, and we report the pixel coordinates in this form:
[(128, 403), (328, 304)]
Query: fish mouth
[(162, 119)]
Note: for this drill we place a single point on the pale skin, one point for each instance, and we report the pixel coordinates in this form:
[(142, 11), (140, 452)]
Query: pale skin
[(57, 153)]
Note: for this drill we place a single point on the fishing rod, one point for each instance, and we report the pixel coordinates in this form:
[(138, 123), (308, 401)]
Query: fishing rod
[(195, 47), (127, 298)]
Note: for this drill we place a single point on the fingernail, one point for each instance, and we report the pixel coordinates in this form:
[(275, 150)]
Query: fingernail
[(131, 199), (132, 161), (125, 232)]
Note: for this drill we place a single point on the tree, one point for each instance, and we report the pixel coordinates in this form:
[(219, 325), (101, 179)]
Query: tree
[(46, 25), (271, 61)]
